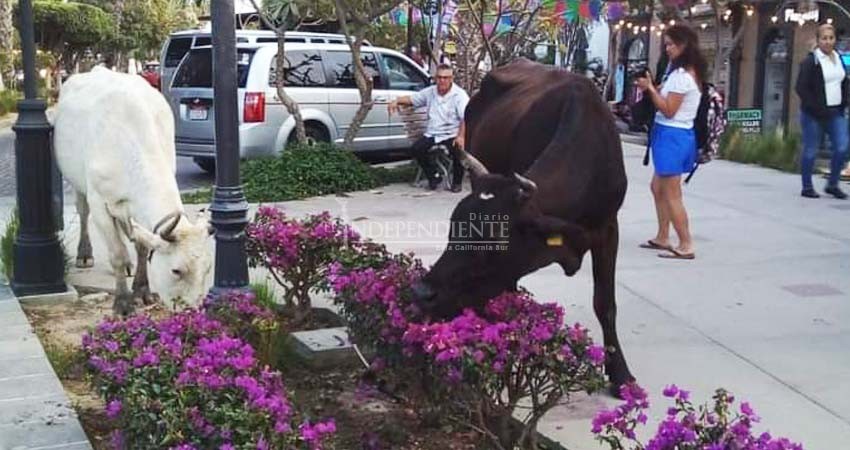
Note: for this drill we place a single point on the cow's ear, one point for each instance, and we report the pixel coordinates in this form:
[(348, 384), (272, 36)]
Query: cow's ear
[(151, 241)]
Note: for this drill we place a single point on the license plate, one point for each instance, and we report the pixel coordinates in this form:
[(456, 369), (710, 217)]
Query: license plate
[(198, 113)]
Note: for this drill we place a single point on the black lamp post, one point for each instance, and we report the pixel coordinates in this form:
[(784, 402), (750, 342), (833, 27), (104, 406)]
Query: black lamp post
[(39, 263), (229, 207)]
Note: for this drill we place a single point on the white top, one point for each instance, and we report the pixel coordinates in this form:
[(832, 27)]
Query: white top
[(681, 82), (833, 75), (445, 112)]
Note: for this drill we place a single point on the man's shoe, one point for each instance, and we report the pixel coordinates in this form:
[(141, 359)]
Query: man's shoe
[(457, 187), (836, 192), (434, 183), (809, 193)]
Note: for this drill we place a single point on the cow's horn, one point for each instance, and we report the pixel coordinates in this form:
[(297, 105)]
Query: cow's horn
[(474, 165), (526, 184), (170, 221)]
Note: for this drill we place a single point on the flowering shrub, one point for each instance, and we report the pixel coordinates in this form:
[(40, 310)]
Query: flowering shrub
[(685, 427), (186, 382), (297, 252), (486, 364), (245, 317)]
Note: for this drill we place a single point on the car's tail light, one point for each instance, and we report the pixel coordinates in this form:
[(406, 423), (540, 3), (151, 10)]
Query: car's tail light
[(255, 107)]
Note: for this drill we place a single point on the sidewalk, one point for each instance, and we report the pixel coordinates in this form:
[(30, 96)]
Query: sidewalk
[(761, 311)]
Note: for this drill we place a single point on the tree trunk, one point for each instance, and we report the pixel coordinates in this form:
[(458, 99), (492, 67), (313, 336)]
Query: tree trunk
[(7, 39), (291, 105), (364, 86)]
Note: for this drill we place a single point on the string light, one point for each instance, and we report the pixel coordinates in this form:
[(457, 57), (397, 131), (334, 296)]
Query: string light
[(617, 27), (652, 28), (829, 21), (704, 1), (629, 25), (662, 26), (703, 25), (622, 22), (672, 22), (658, 33), (643, 28), (750, 12), (774, 19)]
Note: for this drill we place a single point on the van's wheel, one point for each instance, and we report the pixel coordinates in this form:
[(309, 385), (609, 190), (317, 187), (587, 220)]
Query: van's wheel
[(315, 134), (206, 164)]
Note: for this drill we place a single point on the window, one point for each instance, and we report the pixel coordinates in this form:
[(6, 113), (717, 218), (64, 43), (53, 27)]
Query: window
[(302, 68), (177, 48), (403, 76), (295, 40), (202, 41), (196, 69), (268, 39), (341, 73)]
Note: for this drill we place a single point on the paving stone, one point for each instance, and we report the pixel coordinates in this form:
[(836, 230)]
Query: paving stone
[(326, 347), (45, 409), (24, 366), (58, 434), (22, 347), (26, 386)]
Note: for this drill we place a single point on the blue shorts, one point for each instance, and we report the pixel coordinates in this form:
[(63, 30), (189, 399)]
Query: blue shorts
[(674, 150)]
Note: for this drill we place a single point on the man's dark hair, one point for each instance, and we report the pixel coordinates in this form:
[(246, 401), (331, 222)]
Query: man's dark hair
[(691, 57), (444, 66)]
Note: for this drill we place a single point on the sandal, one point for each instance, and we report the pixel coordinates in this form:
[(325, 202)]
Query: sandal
[(652, 245), (676, 254)]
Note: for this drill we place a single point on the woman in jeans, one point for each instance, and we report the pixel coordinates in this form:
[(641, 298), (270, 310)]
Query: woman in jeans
[(673, 141), (823, 88)]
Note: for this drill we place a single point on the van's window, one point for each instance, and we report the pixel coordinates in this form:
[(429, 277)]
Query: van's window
[(403, 76), (317, 41), (336, 41), (202, 41), (177, 48), (301, 40), (196, 69), (268, 39), (341, 72), (241, 39), (301, 69)]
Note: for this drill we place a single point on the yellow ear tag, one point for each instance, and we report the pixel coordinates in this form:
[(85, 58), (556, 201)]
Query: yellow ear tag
[(555, 240)]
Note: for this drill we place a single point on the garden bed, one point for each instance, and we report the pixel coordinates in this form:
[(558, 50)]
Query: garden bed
[(365, 418)]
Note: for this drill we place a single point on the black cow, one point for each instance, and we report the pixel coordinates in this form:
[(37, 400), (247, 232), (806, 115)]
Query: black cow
[(552, 127)]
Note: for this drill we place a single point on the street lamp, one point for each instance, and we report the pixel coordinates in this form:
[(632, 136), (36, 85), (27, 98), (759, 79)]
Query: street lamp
[(39, 262), (229, 207)]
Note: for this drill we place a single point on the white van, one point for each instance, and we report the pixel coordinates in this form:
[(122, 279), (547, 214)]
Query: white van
[(318, 76), (180, 42)]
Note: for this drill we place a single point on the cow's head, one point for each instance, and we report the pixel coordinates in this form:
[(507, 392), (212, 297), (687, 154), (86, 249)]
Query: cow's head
[(497, 235), (181, 258)]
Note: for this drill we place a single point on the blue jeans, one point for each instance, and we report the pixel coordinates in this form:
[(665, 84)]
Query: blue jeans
[(839, 135)]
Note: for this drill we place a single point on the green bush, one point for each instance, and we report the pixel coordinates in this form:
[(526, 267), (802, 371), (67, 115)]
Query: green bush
[(306, 171), (7, 242), (9, 101), (775, 149)]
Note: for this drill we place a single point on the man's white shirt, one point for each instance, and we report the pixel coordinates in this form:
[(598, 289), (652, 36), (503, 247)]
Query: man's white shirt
[(445, 112)]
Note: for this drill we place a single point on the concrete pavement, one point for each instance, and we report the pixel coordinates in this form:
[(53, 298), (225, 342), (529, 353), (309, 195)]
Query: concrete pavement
[(761, 311)]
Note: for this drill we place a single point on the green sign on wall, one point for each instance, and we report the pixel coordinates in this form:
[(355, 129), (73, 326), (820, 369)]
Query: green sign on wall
[(748, 121)]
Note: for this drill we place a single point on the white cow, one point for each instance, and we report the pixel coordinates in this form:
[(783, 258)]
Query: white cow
[(114, 141)]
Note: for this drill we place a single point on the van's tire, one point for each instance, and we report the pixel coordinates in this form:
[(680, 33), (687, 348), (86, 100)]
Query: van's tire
[(206, 164), (315, 134)]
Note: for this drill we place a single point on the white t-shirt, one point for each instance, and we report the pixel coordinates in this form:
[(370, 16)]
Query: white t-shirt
[(681, 82), (445, 112), (833, 75)]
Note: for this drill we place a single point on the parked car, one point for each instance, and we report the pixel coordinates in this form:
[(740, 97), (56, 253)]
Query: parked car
[(318, 76), (180, 42)]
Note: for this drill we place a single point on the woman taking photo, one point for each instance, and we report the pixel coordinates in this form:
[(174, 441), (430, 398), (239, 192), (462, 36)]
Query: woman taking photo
[(823, 88), (673, 141)]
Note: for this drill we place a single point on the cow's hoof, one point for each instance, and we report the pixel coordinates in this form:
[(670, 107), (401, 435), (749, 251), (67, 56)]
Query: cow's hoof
[(84, 262), (124, 305)]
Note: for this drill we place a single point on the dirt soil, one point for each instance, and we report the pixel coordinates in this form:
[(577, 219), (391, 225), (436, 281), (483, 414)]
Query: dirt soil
[(366, 419)]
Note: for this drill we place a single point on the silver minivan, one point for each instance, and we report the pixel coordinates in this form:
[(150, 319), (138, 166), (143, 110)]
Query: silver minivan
[(318, 76), (180, 42)]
